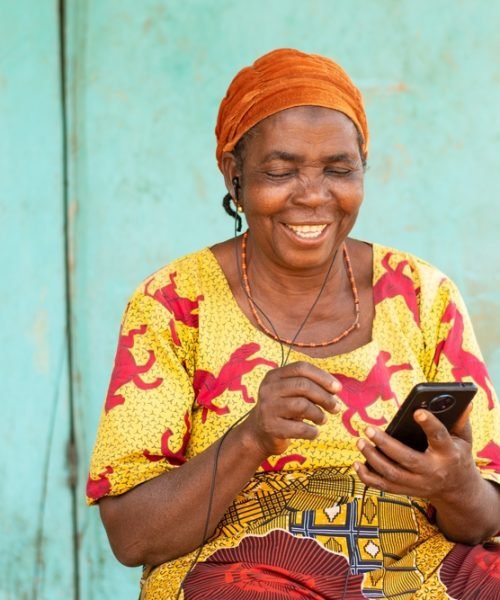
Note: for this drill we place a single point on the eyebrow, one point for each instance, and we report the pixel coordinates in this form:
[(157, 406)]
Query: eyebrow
[(289, 157)]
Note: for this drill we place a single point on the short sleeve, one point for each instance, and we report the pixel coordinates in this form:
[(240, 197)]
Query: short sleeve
[(146, 421), (457, 357)]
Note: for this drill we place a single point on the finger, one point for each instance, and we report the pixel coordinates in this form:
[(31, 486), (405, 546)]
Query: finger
[(375, 459), (382, 465), (374, 480), (321, 377), (306, 388), (299, 408), (395, 450), (369, 477), (290, 429), (437, 435), (462, 427)]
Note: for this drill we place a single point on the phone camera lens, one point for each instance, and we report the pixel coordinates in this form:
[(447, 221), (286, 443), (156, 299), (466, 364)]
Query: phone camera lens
[(441, 403)]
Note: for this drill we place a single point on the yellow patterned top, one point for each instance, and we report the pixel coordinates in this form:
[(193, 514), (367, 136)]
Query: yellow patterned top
[(189, 364)]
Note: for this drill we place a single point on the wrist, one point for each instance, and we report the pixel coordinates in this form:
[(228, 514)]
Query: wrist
[(466, 492), (251, 448)]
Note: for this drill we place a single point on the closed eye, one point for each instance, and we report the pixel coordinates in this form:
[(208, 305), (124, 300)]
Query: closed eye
[(279, 174), (338, 172)]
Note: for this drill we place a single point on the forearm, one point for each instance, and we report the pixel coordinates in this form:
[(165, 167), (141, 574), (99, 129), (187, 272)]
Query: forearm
[(470, 516), (166, 517)]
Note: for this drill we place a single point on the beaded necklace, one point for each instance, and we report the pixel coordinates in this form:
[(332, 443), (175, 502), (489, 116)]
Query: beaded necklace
[(274, 335)]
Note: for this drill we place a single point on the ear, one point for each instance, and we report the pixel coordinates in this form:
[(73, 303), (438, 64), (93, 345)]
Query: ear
[(230, 171)]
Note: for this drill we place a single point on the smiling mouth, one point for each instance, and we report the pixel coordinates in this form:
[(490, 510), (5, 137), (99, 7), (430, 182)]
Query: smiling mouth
[(307, 232)]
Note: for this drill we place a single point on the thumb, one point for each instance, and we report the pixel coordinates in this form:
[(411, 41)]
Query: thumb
[(462, 427)]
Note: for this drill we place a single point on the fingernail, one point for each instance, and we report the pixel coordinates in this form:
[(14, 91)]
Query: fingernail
[(336, 406), (355, 466), (420, 416), (361, 444), (370, 432), (336, 386)]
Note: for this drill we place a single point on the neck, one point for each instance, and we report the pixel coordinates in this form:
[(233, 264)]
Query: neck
[(298, 304), (268, 279)]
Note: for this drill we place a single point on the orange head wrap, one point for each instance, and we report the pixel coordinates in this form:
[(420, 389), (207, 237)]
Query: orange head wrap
[(283, 79)]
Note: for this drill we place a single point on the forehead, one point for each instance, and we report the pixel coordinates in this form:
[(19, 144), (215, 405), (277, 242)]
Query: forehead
[(304, 125)]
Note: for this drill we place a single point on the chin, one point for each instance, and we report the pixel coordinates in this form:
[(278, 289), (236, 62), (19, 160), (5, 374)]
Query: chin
[(303, 260)]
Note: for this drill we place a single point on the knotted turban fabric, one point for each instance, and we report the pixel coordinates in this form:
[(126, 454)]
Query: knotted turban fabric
[(282, 79)]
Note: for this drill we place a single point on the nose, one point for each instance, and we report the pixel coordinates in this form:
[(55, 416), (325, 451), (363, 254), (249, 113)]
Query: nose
[(312, 190)]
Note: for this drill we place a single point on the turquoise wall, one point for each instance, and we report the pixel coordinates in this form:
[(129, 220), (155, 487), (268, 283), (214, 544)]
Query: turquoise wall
[(102, 184), (36, 517)]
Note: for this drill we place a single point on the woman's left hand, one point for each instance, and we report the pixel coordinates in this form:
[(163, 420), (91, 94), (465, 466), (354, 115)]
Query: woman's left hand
[(445, 468), (467, 506)]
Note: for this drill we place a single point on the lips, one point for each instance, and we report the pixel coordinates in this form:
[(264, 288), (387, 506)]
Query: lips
[(307, 232)]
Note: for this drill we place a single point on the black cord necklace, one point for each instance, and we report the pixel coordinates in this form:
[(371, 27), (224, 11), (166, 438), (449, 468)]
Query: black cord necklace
[(252, 302)]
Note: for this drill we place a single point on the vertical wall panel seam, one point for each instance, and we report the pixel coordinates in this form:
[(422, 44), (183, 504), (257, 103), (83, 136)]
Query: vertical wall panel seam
[(72, 455), (37, 583)]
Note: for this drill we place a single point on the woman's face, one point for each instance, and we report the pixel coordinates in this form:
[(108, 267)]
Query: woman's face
[(301, 185)]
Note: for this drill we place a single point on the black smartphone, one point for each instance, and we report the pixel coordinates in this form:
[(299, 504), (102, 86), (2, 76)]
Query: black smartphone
[(447, 401)]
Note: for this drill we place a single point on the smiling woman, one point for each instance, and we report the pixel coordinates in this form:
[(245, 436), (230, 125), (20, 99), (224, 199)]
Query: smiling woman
[(300, 185), (229, 459)]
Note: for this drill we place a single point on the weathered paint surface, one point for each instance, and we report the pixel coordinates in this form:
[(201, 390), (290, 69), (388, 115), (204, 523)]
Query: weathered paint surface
[(36, 530), (144, 83)]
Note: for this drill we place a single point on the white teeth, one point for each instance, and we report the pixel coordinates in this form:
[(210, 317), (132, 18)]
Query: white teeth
[(307, 231)]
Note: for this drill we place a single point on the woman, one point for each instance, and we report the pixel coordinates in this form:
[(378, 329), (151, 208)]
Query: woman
[(253, 381)]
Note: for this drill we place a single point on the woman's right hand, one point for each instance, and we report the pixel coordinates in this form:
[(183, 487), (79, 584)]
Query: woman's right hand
[(288, 397)]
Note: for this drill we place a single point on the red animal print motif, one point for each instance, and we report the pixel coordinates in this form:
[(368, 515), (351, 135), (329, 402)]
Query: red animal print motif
[(464, 363), (176, 458), (98, 488), (281, 462), (395, 283), (207, 386), (183, 309), (358, 395), (491, 452), (126, 370)]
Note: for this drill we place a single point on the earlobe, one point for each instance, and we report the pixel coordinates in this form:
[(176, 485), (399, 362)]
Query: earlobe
[(236, 194)]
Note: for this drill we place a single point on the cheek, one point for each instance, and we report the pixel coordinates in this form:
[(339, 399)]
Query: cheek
[(351, 196), (267, 200), (264, 200)]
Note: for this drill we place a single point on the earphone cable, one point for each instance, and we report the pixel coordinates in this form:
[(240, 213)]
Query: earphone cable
[(237, 228), (309, 312), (210, 502), (284, 361)]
